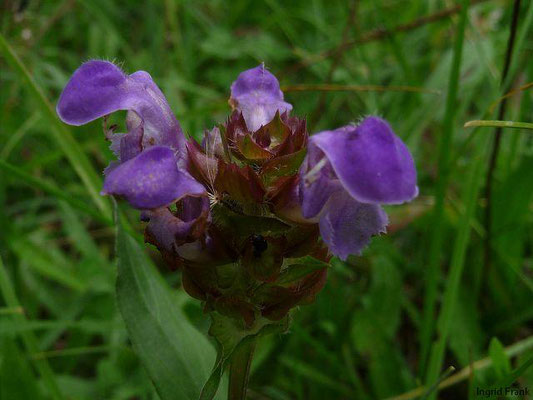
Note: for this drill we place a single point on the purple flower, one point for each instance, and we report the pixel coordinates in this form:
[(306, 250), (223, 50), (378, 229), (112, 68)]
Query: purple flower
[(152, 155), (347, 174), (256, 93)]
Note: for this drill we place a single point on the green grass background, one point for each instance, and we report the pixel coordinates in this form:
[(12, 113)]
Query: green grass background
[(366, 336)]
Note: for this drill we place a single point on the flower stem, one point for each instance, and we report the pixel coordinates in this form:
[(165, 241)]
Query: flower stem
[(240, 370)]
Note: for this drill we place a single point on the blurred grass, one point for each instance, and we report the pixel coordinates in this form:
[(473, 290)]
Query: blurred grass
[(62, 135), (362, 337), (444, 150)]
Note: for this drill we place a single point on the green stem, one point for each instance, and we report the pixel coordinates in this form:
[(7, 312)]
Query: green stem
[(239, 371), (499, 124)]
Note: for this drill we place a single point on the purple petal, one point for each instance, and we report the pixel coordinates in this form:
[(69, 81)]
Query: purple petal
[(171, 231), (256, 93), (184, 233), (318, 181), (371, 162), (99, 88), (127, 145), (165, 228), (151, 180), (131, 143), (193, 208), (346, 225)]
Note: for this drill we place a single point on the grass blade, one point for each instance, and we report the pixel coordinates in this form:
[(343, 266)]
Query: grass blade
[(499, 124), (511, 351), (61, 134), (46, 265), (444, 155), (28, 338), (522, 35), (53, 190), (456, 268)]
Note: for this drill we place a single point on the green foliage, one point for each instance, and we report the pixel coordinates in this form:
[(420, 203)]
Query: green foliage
[(500, 361), (230, 339), (176, 356), (61, 331), (17, 377)]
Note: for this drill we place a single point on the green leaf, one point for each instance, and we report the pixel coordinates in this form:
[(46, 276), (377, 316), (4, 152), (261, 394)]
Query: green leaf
[(251, 150), (302, 267), (500, 361), (512, 376), (510, 219), (466, 333), (246, 225), (176, 356), (276, 130), (285, 165)]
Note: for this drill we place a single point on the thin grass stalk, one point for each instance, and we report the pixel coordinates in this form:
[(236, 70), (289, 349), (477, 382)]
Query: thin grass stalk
[(499, 124), (443, 176), (453, 280), (493, 160)]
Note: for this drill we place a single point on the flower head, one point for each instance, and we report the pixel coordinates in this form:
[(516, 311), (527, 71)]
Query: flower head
[(244, 212)]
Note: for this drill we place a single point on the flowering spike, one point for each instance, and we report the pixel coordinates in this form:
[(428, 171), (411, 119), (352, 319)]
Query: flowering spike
[(252, 215)]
